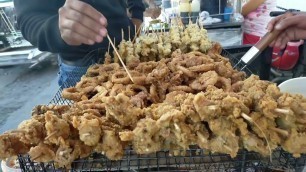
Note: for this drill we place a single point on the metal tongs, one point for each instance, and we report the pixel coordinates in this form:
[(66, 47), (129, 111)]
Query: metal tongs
[(263, 43), (257, 49)]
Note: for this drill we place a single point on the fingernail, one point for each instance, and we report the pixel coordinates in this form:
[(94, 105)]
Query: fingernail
[(91, 42), (103, 32), (103, 22), (98, 38)]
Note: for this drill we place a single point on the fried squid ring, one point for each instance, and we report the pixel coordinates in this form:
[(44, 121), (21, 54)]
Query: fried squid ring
[(120, 77), (186, 71), (139, 78), (133, 89), (184, 88), (146, 67), (117, 88), (202, 68), (109, 68), (204, 80), (86, 82), (103, 78), (101, 92), (236, 87), (238, 76), (72, 94), (89, 104), (225, 84), (93, 70), (196, 53)]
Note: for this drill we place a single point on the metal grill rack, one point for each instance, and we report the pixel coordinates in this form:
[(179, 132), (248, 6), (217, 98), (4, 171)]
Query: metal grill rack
[(195, 159)]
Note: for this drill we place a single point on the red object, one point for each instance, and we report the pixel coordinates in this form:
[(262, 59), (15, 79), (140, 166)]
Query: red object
[(250, 39), (288, 59), (283, 60)]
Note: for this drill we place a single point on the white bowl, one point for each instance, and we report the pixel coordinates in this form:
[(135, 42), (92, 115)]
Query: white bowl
[(6, 167), (294, 86)]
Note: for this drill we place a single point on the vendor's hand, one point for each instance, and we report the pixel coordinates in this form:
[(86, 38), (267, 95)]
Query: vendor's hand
[(80, 23), (293, 27), (137, 23)]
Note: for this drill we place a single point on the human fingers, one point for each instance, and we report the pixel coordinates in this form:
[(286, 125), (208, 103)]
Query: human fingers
[(277, 19), (272, 44), (88, 29), (88, 10), (290, 34), (86, 21), (80, 29), (74, 39), (288, 22)]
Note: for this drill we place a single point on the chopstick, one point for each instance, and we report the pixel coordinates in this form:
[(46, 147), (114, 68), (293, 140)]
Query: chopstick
[(114, 47)]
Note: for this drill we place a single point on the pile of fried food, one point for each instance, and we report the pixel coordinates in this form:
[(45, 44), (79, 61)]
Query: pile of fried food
[(188, 99), (158, 45)]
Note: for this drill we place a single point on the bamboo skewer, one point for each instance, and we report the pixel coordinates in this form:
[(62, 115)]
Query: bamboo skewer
[(137, 33), (246, 117), (129, 28), (280, 131), (108, 48), (122, 35), (114, 47)]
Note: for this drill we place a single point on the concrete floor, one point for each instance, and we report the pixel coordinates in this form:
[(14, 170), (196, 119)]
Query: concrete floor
[(21, 88)]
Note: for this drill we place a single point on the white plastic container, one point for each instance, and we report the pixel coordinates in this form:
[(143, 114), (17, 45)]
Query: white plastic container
[(294, 86), (195, 6), (7, 166)]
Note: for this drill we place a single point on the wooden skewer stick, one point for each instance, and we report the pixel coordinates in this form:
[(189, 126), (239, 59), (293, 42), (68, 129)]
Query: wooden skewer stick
[(197, 22), (86, 134), (114, 47), (108, 48), (212, 107), (137, 33), (283, 111), (246, 117), (280, 131), (61, 153), (50, 135), (115, 56), (177, 127), (129, 28), (122, 35)]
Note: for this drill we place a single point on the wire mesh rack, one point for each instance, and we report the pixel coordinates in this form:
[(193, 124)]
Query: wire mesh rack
[(195, 159)]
